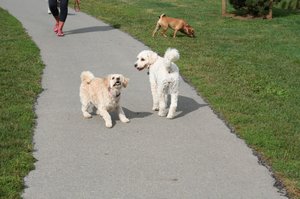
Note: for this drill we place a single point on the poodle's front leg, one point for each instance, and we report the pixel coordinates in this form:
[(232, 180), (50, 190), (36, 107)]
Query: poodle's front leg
[(105, 115), (122, 115), (173, 105), (154, 95)]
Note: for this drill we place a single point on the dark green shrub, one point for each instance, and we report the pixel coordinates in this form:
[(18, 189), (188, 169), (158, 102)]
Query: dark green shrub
[(252, 7)]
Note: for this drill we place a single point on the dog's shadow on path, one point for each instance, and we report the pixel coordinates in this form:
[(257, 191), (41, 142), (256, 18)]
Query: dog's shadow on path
[(131, 114), (92, 29), (187, 105)]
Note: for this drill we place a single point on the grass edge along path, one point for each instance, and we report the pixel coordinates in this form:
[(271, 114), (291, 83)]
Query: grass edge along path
[(248, 71), (20, 83)]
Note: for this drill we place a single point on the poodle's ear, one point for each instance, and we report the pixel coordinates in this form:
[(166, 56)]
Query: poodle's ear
[(125, 81), (152, 56)]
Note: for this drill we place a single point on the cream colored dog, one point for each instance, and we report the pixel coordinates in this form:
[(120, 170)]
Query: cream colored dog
[(164, 79), (104, 94)]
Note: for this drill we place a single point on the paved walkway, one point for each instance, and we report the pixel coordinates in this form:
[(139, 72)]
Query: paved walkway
[(194, 156)]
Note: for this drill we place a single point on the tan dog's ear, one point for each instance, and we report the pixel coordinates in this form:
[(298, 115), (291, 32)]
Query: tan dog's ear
[(125, 82), (152, 57)]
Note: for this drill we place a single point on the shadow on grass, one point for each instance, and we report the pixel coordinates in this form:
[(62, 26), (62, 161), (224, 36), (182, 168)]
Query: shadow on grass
[(92, 29), (278, 12)]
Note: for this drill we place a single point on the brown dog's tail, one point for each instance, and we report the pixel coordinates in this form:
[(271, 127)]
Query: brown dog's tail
[(162, 15), (86, 76)]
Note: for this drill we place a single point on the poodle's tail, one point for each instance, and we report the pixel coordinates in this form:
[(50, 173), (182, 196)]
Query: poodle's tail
[(171, 55), (86, 76)]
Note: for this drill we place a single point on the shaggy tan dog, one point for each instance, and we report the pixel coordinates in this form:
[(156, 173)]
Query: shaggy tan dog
[(104, 94), (176, 24)]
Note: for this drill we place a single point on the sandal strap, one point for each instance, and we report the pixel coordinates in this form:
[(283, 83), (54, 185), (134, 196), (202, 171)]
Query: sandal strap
[(60, 33)]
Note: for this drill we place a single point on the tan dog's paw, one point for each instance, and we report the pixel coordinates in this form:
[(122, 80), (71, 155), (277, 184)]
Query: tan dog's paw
[(108, 124), (86, 115)]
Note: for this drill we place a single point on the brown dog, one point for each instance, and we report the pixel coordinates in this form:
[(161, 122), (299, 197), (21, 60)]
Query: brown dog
[(175, 24)]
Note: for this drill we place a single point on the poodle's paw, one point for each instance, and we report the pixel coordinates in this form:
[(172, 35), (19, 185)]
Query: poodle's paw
[(155, 108), (125, 120), (171, 113), (162, 113), (170, 116)]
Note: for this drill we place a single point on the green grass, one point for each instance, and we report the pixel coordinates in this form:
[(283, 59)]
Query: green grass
[(20, 73), (248, 70)]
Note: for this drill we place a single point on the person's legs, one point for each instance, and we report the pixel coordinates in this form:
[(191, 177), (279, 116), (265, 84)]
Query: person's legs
[(53, 7), (63, 10), (55, 12), (62, 16)]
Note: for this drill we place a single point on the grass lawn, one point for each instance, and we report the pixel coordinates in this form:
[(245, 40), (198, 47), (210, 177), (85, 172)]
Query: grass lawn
[(248, 70), (20, 73)]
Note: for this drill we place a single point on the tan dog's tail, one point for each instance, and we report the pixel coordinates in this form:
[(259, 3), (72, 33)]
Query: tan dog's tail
[(86, 76)]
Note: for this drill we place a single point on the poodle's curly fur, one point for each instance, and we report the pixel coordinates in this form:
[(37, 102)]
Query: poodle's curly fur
[(164, 79)]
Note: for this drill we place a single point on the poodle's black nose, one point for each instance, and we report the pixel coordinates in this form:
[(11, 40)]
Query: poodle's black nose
[(135, 65), (118, 78)]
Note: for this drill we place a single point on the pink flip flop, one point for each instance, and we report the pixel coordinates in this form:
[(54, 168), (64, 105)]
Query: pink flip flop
[(60, 33)]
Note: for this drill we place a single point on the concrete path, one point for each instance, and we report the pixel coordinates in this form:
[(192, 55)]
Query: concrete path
[(194, 156)]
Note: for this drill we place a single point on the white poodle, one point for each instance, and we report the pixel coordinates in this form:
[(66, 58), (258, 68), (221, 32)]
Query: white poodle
[(164, 79), (104, 94)]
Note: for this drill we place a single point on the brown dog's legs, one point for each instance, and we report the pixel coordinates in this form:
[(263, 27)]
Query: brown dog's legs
[(163, 32), (156, 29), (175, 31)]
